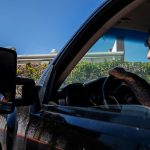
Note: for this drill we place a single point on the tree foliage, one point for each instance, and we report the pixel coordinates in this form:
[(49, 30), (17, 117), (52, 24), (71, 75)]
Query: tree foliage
[(31, 70)]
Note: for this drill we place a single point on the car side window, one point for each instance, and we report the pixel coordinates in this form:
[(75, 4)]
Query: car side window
[(118, 47)]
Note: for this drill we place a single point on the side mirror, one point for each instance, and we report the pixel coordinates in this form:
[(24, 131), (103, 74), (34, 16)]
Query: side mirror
[(8, 82), (8, 65)]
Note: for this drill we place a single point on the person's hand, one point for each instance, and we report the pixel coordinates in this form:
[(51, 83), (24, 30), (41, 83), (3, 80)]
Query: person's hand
[(138, 86), (118, 73)]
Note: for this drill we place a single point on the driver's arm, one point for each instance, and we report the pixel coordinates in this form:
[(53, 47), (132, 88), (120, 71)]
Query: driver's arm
[(139, 86)]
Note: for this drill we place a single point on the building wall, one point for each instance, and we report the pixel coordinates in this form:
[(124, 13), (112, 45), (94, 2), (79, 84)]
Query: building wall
[(91, 57)]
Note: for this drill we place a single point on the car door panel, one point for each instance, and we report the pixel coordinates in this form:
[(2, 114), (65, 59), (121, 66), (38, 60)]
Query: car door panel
[(68, 130)]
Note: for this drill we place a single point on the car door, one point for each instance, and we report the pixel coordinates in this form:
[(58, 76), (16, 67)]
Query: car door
[(62, 127)]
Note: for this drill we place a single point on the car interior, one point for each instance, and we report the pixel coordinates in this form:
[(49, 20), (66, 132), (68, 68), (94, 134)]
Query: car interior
[(95, 92)]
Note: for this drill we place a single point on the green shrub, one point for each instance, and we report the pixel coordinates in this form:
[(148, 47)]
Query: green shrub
[(86, 71)]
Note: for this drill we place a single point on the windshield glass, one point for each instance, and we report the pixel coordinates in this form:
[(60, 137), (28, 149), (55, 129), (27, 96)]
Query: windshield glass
[(118, 47)]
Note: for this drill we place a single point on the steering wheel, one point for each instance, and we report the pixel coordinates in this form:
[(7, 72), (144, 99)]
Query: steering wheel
[(75, 96), (116, 92), (107, 91)]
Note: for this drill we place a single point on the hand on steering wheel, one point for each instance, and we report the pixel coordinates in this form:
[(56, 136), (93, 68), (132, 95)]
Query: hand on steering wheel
[(138, 86)]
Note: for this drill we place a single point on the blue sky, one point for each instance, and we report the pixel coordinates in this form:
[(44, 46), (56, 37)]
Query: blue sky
[(37, 26), (135, 49)]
